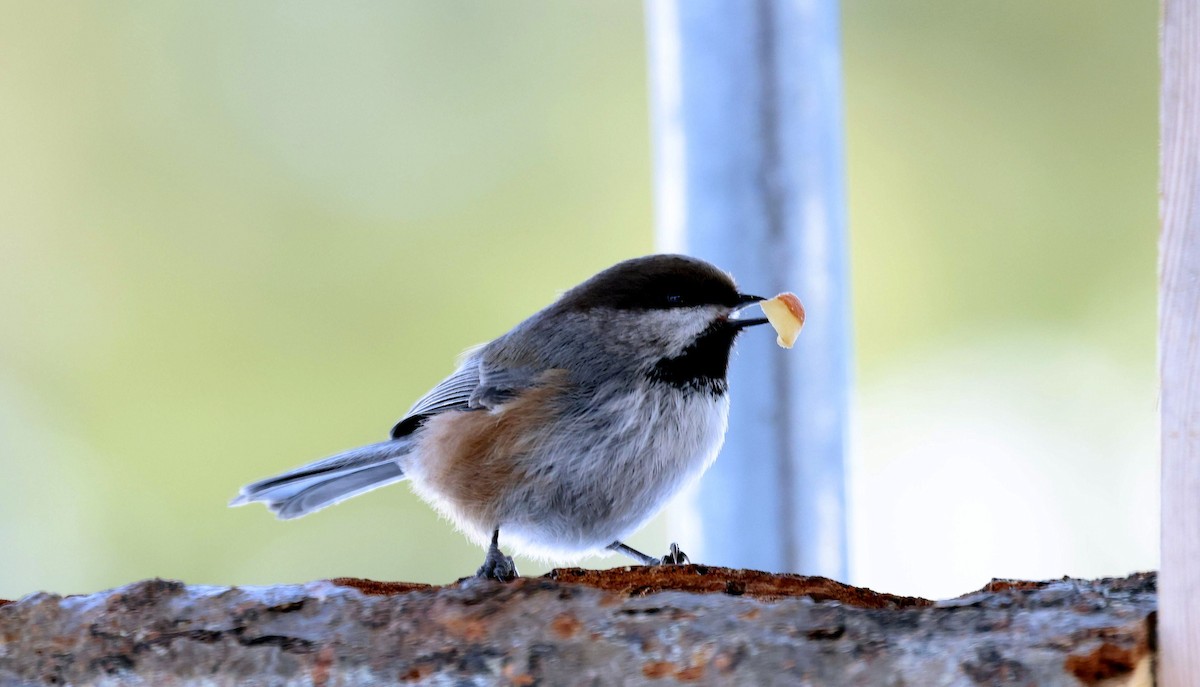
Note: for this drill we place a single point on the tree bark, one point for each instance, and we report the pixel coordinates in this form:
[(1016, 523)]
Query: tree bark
[(665, 625)]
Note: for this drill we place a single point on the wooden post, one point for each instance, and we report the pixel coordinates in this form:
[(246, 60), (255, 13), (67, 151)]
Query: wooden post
[(1179, 345), (749, 174)]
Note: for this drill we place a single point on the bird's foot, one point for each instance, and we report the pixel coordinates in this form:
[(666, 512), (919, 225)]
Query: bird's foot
[(675, 556), (497, 566), (501, 569)]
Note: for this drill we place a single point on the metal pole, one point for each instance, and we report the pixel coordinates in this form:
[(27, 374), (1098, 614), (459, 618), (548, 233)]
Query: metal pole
[(749, 168)]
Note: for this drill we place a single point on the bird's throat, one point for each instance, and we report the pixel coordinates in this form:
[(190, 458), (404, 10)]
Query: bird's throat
[(703, 365)]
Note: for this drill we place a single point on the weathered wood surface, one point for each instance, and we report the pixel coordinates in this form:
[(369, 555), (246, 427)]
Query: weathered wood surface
[(1179, 342), (688, 624)]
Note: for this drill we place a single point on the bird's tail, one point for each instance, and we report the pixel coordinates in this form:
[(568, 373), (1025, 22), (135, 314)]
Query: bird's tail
[(328, 481)]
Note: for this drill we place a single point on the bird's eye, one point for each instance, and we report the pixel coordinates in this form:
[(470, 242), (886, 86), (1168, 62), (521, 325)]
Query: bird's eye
[(674, 299)]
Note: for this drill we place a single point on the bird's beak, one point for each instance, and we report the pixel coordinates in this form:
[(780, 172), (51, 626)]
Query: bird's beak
[(745, 301)]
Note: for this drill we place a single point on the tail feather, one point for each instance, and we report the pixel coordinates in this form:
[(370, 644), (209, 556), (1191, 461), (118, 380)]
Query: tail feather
[(328, 481)]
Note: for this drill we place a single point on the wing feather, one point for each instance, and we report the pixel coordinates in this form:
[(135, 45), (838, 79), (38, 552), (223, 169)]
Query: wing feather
[(452, 393), (475, 385)]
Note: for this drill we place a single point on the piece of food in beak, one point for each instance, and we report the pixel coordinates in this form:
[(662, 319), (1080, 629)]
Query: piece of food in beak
[(786, 315)]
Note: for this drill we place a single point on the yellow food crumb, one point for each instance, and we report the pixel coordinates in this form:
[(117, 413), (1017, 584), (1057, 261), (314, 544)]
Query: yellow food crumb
[(786, 315)]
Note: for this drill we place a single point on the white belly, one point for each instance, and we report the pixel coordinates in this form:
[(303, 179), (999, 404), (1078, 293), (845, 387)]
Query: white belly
[(598, 480)]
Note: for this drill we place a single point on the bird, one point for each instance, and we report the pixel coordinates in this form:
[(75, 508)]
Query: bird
[(569, 431)]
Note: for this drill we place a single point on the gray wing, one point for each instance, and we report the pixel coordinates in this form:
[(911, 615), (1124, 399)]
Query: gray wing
[(452, 393), (473, 386)]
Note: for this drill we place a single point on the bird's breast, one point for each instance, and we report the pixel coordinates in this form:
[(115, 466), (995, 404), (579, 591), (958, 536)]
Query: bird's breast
[(611, 467), (566, 470)]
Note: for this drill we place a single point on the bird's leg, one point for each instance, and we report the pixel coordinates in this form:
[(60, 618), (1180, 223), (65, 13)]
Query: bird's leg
[(497, 566), (633, 553), (675, 557)]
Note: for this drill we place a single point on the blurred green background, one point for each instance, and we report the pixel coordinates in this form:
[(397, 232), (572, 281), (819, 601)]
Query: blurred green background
[(236, 237)]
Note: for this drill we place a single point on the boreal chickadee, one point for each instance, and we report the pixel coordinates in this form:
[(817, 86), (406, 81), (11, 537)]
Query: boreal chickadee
[(568, 432)]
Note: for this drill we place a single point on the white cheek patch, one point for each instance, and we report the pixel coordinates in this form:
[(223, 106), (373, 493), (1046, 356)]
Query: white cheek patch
[(680, 327)]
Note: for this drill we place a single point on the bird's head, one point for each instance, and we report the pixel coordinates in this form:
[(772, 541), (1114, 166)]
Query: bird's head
[(676, 314)]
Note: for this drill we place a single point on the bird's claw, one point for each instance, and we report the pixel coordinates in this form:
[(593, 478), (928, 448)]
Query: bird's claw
[(676, 556), (498, 567)]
